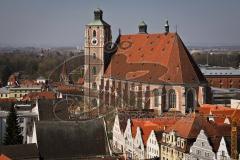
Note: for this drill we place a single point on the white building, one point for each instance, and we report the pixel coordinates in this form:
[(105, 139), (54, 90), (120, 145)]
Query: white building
[(153, 146), (26, 119), (201, 148)]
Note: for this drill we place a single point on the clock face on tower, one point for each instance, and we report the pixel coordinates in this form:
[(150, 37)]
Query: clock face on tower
[(94, 41)]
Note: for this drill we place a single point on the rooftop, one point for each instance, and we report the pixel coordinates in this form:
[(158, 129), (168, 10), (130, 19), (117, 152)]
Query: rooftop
[(154, 58)]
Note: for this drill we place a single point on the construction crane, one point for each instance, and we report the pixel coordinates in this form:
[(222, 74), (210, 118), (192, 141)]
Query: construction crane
[(234, 135)]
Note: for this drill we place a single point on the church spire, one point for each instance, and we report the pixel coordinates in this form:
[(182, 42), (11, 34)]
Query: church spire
[(64, 76)]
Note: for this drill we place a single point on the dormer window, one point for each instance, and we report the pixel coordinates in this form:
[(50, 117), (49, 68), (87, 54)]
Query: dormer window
[(164, 137), (178, 142), (182, 144)]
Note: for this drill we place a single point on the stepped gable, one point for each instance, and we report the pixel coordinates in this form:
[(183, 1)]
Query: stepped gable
[(154, 58)]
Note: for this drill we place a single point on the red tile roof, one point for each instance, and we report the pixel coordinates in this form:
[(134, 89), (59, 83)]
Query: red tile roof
[(39, 95), (147, 125), (65, 89), (190, 126), (154, 57), (220, 113), (3, 157)]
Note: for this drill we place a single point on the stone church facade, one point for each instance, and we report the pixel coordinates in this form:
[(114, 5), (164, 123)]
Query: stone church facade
[(141, 71)]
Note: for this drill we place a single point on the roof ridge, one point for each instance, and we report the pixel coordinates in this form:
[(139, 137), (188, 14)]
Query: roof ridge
[(176, 41)]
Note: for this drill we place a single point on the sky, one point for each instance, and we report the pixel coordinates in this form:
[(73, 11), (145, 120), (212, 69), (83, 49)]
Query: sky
[(43, 23)]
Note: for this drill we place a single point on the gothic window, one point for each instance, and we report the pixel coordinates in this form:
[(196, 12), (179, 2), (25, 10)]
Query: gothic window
[(94, 33), (156, 98), (190, 101), (94, 86), (172, 99), (94, 70), (94, 55), (94, 102)]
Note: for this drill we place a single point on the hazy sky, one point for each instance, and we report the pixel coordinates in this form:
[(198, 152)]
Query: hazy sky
[(61, 22)]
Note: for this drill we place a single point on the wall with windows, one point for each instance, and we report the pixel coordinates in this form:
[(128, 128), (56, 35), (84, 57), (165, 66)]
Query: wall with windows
[(201, 148), (118, 139), (161, 98), (128, 139), (152, 146), (139, 151), (222, 153), (172, 147)]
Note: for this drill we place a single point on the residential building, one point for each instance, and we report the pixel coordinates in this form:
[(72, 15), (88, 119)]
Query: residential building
[(41, 80), (141, 137), (223, 96), (222, 77), (26, 118)]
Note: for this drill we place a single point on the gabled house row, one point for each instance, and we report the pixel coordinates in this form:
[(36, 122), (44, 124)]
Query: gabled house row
[(139, 138), (172, 138)]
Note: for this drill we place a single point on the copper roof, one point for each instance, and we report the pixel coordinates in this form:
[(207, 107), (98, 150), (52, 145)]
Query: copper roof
[(154, 58)]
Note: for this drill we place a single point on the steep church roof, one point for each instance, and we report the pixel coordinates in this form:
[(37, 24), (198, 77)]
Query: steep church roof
[(154, 58)]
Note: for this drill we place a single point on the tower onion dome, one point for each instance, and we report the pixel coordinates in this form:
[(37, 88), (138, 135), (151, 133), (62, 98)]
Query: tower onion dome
[(98, 14), (142, 27)]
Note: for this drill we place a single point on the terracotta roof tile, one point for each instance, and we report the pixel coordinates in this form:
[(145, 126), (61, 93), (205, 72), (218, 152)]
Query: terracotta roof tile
[(3, 157), (219, 113), (147, 125), (39, 95), (154, 57)]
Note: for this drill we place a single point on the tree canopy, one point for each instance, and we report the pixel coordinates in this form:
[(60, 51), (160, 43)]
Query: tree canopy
[(13, 130)]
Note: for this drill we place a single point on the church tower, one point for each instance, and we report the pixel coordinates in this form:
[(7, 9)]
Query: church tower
[(97, 35)]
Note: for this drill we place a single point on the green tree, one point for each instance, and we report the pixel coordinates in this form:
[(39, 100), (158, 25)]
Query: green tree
[(6, 72), (13, 131)]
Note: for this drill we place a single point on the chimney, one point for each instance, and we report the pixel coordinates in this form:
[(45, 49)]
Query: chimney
[(166, 26), (142, 27)]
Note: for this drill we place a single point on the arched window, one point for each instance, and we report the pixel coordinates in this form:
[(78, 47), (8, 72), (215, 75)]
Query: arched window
[(190, 101), (94, 55), (156, 98), (172, 99), (94, 85), (94, 33), (94, 70), (94, 102)]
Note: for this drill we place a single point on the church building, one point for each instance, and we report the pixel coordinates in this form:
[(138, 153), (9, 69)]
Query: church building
[(141, 70)]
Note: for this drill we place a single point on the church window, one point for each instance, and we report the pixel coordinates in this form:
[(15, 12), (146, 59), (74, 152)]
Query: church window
[(94, 55), (94, 102), (156, 98), (94, 70), (94, 33), (172, 99), (94, 86), (190, 101)]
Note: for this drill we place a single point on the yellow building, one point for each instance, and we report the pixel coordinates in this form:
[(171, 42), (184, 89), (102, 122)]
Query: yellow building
[(19, 92)]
